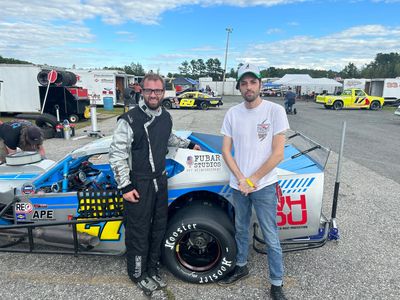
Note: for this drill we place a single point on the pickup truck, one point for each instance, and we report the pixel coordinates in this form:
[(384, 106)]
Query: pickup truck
[(351, 98)]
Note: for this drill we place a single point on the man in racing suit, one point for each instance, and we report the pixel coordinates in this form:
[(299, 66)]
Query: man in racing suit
[(137, 158)]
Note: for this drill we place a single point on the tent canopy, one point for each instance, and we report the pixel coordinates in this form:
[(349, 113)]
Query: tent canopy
[(185, 81), (305, 79)]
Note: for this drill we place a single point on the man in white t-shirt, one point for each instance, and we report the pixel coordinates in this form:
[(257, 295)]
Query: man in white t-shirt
[(255, 129)]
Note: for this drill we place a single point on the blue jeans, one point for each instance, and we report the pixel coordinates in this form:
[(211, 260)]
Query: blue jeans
[(265, 204)]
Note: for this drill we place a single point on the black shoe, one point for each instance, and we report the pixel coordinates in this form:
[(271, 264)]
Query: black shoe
[(238, 273), (277, 293)]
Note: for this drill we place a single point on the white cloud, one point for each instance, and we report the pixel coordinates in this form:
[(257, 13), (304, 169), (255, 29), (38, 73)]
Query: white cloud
[(274, 30), (357, 44), (113, 11)]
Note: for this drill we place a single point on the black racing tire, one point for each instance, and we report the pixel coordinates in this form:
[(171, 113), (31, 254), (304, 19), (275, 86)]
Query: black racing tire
[(337, 105), (73, 118), (199, 244), (278, 94), (46, 120), (48, 133), (167, 104), (204, 105), (375, 105)]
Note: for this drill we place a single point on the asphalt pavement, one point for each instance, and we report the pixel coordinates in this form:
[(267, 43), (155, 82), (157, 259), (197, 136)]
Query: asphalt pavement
[(363, 264)]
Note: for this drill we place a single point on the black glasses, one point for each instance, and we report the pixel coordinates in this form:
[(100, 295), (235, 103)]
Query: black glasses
[(158, 92)]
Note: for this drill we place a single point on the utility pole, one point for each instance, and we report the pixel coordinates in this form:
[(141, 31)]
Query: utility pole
[(229, 31)]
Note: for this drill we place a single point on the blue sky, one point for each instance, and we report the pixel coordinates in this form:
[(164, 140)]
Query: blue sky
[(160, 34)]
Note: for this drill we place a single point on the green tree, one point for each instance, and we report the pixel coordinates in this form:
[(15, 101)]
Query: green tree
[(4, 60), (184, 68), (350, 71)]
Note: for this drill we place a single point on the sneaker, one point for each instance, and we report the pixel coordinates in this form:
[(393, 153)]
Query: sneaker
[(147, 285), (276, 293), (159, 281), (238, 273)]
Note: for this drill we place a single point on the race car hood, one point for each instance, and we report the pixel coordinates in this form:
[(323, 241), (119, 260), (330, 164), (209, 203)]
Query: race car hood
[(12, 177)]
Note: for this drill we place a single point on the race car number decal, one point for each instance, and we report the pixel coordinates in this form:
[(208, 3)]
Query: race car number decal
[(108, 231), (187, 102)]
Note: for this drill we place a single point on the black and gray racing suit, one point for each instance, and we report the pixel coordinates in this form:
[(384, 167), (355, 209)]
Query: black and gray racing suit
[(137, 158)]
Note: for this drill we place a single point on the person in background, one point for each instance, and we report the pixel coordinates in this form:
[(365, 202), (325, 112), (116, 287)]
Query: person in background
[(138, 91), (290, 99), (20, 134), (137, 158), (256, 129)]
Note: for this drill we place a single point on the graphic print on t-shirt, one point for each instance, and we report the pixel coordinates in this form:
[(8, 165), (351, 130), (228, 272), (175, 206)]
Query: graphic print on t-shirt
[(262, 130)]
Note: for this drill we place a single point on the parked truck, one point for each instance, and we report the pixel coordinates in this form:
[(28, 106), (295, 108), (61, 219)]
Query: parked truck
[(351, 98)]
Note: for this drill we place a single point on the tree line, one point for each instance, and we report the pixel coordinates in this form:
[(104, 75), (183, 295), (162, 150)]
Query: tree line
[(385, 65)]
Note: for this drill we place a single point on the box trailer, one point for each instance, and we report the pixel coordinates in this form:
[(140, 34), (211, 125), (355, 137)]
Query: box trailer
[(105, 83), (23, 90), (388, 88), (358, 83)]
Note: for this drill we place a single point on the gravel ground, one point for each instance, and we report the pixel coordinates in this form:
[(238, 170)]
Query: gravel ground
[(363, 264)]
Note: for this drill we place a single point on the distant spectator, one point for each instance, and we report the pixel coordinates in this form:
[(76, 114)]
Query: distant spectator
[(290, 99), (138, 91)]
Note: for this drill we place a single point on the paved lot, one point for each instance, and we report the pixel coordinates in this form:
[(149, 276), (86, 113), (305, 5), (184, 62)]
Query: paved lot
[(364, 264)]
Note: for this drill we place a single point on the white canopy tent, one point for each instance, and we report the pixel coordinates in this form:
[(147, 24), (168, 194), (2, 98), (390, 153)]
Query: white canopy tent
[(305, 84)]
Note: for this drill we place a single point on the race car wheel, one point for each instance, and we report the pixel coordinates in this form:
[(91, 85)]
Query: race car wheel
[(204, 105), (73, 118), (337, 105), (375, 105), (199, 244), (278, 94), (167, 104)]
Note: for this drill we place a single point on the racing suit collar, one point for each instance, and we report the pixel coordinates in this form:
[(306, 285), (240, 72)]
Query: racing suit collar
[(148, 111)]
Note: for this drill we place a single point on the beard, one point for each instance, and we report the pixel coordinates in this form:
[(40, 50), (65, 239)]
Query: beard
[(152, 105), (250, 96)]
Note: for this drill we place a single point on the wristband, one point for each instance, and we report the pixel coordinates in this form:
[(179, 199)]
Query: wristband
[(250, 183)]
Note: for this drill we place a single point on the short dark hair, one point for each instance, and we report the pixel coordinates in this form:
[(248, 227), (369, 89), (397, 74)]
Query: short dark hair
[(154, 77)]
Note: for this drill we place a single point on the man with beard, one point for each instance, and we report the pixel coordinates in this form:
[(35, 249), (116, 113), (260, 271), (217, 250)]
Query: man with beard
[(256, 129), (137, 157), (20, 134)]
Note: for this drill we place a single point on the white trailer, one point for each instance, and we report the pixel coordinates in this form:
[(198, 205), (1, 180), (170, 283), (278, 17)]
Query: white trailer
[(358, 83), (388, 88), (104, 83), (19, 88)]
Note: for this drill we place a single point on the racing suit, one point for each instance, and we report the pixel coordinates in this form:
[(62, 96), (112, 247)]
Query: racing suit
[(137, 158)]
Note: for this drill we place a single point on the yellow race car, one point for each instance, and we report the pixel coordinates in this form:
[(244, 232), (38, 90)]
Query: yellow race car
[(351, 98), (192, 100)]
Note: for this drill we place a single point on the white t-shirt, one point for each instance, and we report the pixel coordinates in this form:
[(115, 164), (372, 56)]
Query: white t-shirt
[(252, 131)]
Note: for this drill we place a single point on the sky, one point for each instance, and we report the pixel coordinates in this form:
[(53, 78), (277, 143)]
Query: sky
[(160, 34)]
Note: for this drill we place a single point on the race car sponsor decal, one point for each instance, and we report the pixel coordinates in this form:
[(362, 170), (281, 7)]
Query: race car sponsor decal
[(28, 189), (39, 205), (285, 216), (20, 217), (23, 207), (46, 214), (204, 162)]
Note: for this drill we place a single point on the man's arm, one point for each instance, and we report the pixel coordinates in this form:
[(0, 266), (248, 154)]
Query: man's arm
[(231, 163), (176, 141), (41, 151), (119, 160), (277, 155)]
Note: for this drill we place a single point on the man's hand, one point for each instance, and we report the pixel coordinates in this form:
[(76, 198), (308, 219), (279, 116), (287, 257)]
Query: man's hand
[(197, 147), (132, 196), (245, 188)]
